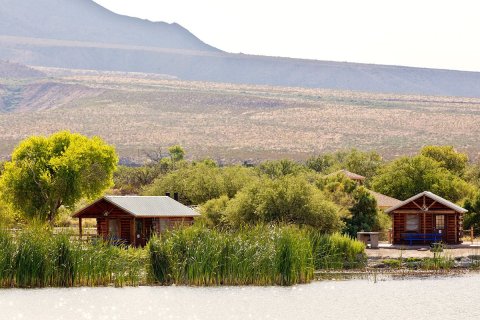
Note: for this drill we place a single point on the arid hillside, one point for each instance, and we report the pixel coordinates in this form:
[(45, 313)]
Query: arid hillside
[(80, 34), (141, 112)]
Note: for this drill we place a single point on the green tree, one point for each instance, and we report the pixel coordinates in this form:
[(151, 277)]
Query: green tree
[(213, 211), (177, 153), (408, 176), (472, 217), (448, 157), (46, 173), (360, 162), (289, 199), (364, 213), (280, 168), (199, 182), (363, 163)]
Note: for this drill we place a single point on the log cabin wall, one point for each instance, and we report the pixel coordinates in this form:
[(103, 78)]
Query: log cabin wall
[(453, 220), (102, 230), (125, 229)]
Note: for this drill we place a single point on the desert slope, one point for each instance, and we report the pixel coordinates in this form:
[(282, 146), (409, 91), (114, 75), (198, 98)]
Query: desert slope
[(80, 34)]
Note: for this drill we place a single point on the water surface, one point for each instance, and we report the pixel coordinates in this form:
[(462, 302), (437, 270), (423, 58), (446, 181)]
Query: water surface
[(431, 298)]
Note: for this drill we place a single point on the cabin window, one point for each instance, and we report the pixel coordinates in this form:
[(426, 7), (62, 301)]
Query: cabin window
[(413, 222), (440, 222)]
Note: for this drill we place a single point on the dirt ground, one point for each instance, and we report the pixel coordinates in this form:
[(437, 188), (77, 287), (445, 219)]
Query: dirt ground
[(387, 251)]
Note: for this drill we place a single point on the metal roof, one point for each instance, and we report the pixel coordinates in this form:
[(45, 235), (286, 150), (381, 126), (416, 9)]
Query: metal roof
[(430, 195), (152, 206)]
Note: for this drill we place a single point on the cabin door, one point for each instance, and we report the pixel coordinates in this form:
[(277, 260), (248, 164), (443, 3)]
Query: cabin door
[(439, 226), (140, 232)]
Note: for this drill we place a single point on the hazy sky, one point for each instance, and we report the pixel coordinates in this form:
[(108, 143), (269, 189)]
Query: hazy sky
[(422, 33)]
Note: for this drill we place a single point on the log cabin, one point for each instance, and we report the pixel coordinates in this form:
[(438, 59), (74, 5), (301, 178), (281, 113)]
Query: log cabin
[(132, 220), (426, 218)]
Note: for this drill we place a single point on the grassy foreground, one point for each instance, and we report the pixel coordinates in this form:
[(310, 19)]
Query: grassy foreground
[(189, 256)]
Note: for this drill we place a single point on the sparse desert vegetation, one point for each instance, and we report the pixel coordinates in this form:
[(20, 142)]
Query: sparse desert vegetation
[(140, 112)]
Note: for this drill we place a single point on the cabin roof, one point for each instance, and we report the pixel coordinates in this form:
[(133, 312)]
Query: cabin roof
[(349, 174), (432, 196), (383, 201), (147, 206)]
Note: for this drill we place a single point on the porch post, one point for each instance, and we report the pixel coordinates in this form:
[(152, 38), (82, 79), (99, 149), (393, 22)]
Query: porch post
[(134, 232), (393, 228), (424, 224), (80, 228), (456, 229)]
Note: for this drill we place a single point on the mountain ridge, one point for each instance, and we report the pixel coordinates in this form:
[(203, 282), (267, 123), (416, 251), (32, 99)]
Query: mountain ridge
[(80, 34)]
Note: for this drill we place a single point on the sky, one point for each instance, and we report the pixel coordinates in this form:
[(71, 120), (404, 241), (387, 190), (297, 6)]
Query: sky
[(420, 33)]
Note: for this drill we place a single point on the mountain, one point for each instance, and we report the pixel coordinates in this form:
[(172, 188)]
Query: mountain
[(18, 71), (84, 20), (80, 34)]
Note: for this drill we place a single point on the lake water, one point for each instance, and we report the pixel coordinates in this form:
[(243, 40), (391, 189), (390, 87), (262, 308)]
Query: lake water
[(431, 298)]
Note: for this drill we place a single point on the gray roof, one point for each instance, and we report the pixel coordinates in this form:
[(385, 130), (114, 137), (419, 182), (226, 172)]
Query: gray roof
[(145, 206), (349, 174), (383, 201), (430, 195)]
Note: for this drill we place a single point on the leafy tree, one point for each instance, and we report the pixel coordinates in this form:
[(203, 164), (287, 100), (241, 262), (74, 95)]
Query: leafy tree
[(360, 162), (130, 180), (213, 211), (326, 163), (363, 163), (288, 199), (280, 168), (408, 176), (448, 157), (364, 215), (199, 182), (472, 217), (177, 153), (472, 173), (46, 173)]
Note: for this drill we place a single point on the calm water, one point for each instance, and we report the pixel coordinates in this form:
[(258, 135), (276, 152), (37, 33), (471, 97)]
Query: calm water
[(433, 298)]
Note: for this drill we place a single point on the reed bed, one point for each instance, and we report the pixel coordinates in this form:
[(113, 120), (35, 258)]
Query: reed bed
[(255, 256), (337, 251), (261, 255), (36, 258)]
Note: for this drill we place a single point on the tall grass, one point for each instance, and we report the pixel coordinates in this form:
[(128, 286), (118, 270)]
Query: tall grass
[(337, 251), (259, 256), (190, 256), (37, 258), (7, 254)]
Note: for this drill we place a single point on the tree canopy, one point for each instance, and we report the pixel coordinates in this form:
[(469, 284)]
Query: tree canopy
[(285, 200), (46, 173), (448, 157), (408, 176), (199, 182), (365, 163)]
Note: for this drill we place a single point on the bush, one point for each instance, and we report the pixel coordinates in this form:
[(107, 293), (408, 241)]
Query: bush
[(291, 200)]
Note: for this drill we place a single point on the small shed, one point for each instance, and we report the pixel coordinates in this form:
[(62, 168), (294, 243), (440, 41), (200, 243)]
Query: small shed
[(426, 218), (134, 219)]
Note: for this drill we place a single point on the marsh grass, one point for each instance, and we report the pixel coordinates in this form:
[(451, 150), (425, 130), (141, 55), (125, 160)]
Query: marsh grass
[(37, 258), (7, 254), (261, 255), (255, 256), (337, 251)]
